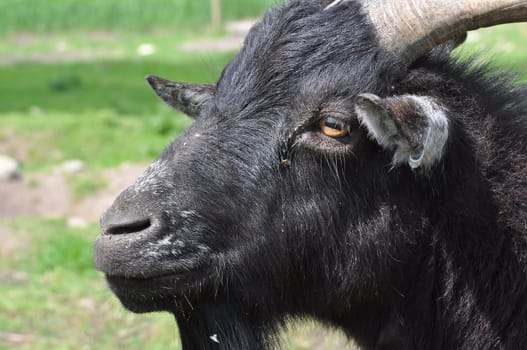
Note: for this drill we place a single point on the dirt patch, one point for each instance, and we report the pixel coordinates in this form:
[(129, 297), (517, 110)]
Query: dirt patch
[(58, 50), (39, 195), (91, 207), (213, 45), (59, 57), (236, 32), (48, 195)]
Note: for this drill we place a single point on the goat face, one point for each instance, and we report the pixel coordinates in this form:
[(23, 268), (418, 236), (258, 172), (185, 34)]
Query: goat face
[(295, 175), (272, 185)]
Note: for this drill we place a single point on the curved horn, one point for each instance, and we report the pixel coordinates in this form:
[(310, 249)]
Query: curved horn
[(411, 28)]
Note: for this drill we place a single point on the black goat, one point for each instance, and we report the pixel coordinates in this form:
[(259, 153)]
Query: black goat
[(342, 169)]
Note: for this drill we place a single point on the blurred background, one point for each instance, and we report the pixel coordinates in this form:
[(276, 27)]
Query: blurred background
[(78, 123)]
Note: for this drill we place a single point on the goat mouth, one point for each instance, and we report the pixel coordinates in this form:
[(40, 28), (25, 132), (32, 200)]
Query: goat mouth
[(157, 284), (147, 255), (146, 287)]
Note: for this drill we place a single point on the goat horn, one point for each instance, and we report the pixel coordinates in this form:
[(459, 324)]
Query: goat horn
[(411, 28)]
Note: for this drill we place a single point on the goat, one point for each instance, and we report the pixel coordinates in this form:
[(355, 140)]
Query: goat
[(344, 168)]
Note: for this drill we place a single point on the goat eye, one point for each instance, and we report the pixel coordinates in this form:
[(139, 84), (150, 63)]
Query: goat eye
[(333, 127)]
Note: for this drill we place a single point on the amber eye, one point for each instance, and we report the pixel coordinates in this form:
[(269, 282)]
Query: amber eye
[(333, 127)]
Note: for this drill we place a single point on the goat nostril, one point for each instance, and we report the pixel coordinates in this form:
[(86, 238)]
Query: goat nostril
[(128, 227)]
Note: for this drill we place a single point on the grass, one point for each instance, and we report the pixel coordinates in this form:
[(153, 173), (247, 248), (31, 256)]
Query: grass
[(116, 85), (503, 45), (82, 110), (52, 298), (49, 139), (130, 15), (52, 112)]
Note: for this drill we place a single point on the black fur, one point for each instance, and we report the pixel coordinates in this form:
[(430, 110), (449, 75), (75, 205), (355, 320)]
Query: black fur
[(264, 219)]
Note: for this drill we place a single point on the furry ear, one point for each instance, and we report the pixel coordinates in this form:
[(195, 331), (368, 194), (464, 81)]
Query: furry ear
[(185, 97), (414, 127)]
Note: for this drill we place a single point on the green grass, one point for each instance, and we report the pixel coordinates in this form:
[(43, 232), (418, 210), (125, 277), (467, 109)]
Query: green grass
[(504, 46), (130, 15), (52, 298), (51, 112), (116, 85), (102, 139), (55, 112)]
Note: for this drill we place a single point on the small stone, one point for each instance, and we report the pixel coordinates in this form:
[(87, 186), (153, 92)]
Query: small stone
[(73, 166), (35, 111), (17, 338), (146, 49), (240, 28), (87, 304), (9, 169), (76, 222)]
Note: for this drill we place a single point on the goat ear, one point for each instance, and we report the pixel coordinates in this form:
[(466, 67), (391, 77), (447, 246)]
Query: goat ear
[(185, 97), (414, 127)]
